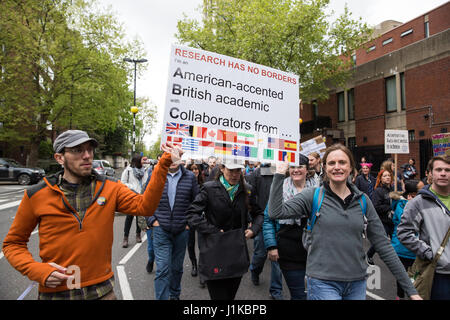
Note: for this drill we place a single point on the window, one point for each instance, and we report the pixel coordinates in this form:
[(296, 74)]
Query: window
[(402, 89), (391, 94), (315, 109), (411, 135), (371, 48), (351, 143), (405, 33), (351, 104), (427, 29), (341, 107), (354, 59), (387, 41)]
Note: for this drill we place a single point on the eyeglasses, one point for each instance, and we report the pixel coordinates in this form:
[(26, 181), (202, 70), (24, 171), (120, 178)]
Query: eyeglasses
[(78, 151)]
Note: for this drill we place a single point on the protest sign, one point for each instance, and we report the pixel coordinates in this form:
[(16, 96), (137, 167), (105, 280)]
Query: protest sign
[(316, 144), (441, 144), (396, 141), (228, 107)]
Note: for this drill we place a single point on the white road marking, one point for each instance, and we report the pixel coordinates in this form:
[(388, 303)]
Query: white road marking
[(133, 251), (27, 291), (10, 205), (374, 296), (124, 285)]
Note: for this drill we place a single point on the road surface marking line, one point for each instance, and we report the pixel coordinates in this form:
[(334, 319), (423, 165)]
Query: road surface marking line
[(133, 251), (9, 205), (374, 296), (27, 291), (124, 285)]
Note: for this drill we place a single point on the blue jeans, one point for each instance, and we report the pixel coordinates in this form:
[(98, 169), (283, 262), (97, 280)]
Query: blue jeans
[(257, 265), (335, 290), (169, 256), (295, 280), (151, 253)]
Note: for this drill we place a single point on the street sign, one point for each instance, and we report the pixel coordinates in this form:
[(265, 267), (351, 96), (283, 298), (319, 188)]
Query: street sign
[(396, 141)]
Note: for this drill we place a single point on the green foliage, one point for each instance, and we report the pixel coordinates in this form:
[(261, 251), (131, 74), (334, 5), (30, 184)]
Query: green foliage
[(155, 149), (63, 68), (290, 35)]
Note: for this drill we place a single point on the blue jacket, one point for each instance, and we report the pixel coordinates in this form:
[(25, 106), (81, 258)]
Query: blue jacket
[(398, 205), (270, 229), (174, 221)]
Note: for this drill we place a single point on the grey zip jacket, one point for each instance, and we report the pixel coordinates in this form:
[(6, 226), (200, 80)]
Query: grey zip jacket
[(336, 252), (427, 217)]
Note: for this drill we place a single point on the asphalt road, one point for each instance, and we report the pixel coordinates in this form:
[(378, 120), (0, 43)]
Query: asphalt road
[(132, 280)]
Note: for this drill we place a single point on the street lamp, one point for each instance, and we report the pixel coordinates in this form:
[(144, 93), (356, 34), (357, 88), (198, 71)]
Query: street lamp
[(134, 109)]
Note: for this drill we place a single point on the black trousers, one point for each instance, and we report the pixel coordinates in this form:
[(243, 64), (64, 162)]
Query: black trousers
[(191, 245), (224, 289), (128, 222)]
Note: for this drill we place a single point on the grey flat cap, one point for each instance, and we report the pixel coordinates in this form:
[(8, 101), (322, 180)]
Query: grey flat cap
[(72, 138), (232, 164)]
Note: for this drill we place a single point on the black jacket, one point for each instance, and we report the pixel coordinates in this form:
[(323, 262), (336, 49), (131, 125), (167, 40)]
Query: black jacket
[(363, 184), (382, 203), (220, 213)]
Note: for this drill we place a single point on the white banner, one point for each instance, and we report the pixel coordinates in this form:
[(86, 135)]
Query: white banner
[(396, 141), (225, 106)]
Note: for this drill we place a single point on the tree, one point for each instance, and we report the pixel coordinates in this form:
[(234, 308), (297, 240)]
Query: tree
[(290, 35), (62, 68)]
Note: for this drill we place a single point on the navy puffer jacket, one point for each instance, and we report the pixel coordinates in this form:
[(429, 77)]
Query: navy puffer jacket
[(174, 221)]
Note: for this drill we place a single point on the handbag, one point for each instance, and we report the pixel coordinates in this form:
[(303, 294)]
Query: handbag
[(422, 271), (223, 255)]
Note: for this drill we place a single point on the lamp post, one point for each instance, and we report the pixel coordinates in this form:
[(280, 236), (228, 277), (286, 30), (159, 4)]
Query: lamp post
[(134, 109)]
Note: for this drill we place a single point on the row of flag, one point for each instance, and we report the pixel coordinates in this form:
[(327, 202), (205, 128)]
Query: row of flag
[(173, 128), (190, 144)]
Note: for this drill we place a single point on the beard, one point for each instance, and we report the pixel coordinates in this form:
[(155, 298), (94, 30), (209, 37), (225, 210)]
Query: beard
[(79, 173)]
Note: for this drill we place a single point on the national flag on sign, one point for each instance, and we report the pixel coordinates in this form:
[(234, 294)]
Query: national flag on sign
[(204, 143), (198, 132), (223, 135), (245, 151), (175, 140), (268, 154), (273, 142), (189, 144), (177, 129), (245, 138), (222, 148), (290, 156), (290, 145)]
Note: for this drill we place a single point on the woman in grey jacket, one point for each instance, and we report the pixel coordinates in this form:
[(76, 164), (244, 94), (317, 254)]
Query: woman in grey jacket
[(336, 268)]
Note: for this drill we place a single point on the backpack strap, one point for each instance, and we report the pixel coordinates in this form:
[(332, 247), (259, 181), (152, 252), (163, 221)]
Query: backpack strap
[(319, 194), (363, 204)]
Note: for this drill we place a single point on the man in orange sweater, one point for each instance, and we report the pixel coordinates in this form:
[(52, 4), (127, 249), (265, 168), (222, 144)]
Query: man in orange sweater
[(75, 212)]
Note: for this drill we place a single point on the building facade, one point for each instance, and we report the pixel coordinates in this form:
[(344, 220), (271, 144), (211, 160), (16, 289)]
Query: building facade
[(400, 81)]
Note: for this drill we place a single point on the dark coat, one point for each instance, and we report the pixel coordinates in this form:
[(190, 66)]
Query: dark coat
[(382, 203), (220, 213), (364, 185), (174, 221)]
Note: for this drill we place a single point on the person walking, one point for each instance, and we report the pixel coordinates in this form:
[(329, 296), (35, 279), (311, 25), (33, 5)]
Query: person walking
[(170, 230), (133, 177), (399, 201), (335, 267), (74, 211), (195, 168), (382, 204), (425, 222), (261, 180), (366, 181), (315, 165), (224, 205), (287, 248)]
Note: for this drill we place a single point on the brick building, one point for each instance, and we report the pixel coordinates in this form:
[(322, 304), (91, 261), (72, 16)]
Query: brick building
[(401, 81)]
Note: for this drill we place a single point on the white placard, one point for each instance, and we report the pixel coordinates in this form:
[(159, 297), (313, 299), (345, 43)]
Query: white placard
[(396, 141), (221, 105)]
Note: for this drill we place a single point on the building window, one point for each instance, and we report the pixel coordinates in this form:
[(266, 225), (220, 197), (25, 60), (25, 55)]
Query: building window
[(405, 33), (354, 59), (427, 29), (351, 143), (315, 110), (341, 107), (402, 90), (351, 104), (411, 135), (391, 94), (387, 41), (371, 48)]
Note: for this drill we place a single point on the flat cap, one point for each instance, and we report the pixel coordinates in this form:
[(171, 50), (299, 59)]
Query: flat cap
[(72, 138)]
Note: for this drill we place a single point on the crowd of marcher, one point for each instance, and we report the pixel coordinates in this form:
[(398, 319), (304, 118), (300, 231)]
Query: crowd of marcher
[(310, 220)]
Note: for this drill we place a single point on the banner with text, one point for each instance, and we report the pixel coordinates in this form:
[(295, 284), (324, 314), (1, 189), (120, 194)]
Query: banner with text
[(441, 144), (223, 106)]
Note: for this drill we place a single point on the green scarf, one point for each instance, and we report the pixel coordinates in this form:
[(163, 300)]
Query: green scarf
[(230, 189)]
